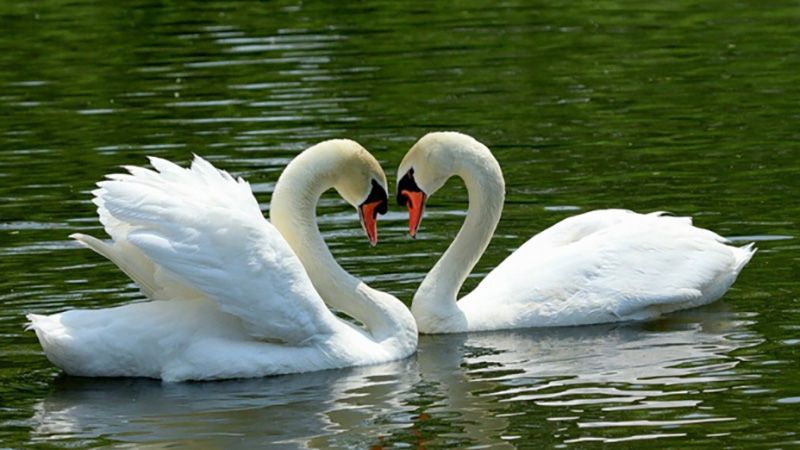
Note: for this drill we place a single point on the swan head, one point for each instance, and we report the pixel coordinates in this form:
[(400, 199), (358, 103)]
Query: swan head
[(359, 178), (426, 168)]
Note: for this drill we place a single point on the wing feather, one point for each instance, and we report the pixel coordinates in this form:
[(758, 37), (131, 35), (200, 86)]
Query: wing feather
[(205, 229), (613, 263)]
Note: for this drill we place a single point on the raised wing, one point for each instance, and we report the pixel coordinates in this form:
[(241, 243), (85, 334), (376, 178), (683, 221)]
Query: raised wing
[(205, 230), (631, 266)]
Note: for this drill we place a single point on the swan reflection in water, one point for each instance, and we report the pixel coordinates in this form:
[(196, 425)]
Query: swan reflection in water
[(463, 386)]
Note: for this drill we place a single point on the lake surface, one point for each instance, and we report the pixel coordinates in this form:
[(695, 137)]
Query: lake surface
[(679, 106)]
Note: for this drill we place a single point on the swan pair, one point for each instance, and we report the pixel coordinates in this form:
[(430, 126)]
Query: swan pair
[(233, 295)]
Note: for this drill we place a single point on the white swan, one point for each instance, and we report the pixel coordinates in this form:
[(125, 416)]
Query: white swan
[(601, 266), (229, 297)]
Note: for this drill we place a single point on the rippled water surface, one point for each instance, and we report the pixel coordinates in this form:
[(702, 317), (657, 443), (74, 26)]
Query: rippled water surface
[(679, 106)]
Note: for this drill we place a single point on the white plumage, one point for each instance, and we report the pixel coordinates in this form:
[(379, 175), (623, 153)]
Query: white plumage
[(229, 297), (605, 266), (597, 267)]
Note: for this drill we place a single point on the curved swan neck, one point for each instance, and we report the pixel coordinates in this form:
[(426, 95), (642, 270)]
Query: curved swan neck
[(293, 213), (475, 164)]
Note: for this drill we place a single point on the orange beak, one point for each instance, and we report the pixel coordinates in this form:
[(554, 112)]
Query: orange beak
[(368, 212), (415, 202)]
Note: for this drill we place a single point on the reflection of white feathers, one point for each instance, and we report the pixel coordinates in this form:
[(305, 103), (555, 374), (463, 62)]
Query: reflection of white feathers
[(283, 411), (230, 297), (465, 382)]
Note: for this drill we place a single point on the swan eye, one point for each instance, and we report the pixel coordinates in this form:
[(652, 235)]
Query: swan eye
[(406, 184)]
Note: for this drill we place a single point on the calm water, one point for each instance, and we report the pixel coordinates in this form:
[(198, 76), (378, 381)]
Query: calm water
[(678, 106)]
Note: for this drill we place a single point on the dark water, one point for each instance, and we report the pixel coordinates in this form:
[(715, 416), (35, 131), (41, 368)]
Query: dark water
[(679, 106)]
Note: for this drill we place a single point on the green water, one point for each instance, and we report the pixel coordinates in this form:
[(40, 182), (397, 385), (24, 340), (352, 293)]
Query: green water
[(679, 106)]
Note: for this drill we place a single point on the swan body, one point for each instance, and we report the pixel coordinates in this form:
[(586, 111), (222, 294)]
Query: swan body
[(598, 267), (229, 295)]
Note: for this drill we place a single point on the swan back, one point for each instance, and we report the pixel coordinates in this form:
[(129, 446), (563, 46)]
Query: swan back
[(605, 266)]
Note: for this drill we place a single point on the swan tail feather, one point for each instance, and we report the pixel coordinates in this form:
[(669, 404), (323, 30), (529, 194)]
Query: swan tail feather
[(34, 321), (136, 267), (743, 256)]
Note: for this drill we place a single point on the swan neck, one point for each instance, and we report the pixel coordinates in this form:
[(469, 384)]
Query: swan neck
[(293, 213), (480, 171)]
